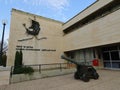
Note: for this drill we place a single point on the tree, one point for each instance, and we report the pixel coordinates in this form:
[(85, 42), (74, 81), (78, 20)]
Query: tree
[(17, 59), (18, 66), (21, 57), (18, 62), (5, 47), (4, 60), (3, 53)]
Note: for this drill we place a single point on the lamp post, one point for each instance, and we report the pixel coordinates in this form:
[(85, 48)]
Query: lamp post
[(2, 41)]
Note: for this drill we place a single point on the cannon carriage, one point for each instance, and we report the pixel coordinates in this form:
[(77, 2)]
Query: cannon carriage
[(83, 72)]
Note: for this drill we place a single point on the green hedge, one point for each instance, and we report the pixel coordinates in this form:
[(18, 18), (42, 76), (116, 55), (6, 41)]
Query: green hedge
[(23, 70), (4, 60), (18, 66)]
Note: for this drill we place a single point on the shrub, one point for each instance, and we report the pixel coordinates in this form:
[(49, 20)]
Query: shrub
[(23, 70), (17, 59), (28, 70), (18, 70), (18, 66), (20, 57), (4, 60)]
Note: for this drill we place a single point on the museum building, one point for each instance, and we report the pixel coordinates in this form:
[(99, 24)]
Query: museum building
[(92, 34)]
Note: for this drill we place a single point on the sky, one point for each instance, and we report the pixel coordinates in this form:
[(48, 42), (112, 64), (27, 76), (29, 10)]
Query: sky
[(61, 10)]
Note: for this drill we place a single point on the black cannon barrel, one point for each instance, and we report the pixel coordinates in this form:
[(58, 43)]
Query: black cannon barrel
[(84, 72), (70, 60)]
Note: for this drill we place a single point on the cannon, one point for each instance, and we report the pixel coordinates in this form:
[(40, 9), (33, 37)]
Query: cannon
[(83, 72)]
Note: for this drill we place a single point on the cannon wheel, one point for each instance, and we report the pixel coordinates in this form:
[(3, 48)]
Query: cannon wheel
[(95, 76), (85, 78), (76, 75)]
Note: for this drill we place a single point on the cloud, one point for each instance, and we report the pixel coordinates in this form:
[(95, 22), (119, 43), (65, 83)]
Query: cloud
[(53, 4), (58, 6)]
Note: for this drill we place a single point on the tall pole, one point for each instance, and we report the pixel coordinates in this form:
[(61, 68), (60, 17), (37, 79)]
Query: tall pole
[(1, 50)]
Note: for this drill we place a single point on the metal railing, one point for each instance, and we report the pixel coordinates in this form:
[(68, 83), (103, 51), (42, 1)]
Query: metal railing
[(40, 67), (45, 67)]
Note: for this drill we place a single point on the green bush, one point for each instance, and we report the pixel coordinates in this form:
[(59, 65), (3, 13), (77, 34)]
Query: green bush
[(18, 70), (23, 70), (4, 60), (18, 59), (28, 70), (18, 66)]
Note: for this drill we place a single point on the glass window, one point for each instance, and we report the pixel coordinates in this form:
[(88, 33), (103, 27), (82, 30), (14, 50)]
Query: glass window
[(113, 48), (116, 65), (119, 47), (107, 64), (106, 56), (115, 55), (105, 49)]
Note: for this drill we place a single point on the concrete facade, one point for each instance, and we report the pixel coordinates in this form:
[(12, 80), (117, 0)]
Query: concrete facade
[(98, 4), (93, 29), (43, 51), (101, 31), (82, 37)]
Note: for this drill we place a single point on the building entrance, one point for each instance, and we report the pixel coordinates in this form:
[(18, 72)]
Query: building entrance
[(111, 57)]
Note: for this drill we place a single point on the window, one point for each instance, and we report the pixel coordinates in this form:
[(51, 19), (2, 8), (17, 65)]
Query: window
[(115, 55), (106, 56)]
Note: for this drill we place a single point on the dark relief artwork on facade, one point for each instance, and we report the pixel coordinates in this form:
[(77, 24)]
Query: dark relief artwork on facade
[(33, 29)]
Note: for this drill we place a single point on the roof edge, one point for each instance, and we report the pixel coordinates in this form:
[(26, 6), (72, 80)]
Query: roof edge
[(16, 10), (81, 11)]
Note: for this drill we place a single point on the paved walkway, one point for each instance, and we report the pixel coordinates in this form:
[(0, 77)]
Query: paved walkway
[(109, 80)]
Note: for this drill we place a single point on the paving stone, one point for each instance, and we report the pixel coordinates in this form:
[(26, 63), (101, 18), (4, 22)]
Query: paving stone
[(109, 80)]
